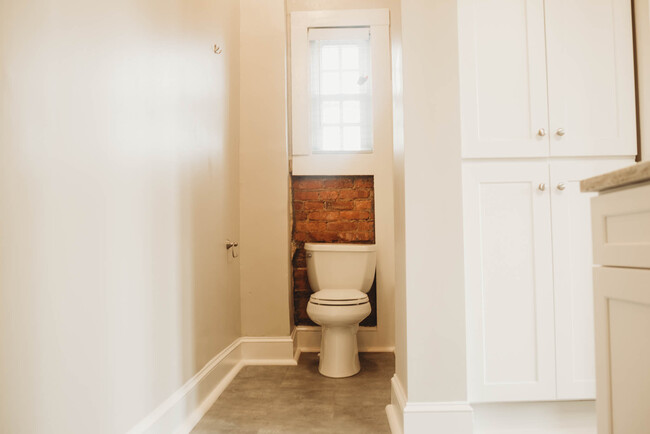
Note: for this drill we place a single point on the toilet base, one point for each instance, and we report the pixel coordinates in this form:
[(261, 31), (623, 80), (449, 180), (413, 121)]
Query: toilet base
[(339, 353)]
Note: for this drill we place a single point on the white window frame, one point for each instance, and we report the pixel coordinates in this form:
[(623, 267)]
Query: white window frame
[(306, 162)]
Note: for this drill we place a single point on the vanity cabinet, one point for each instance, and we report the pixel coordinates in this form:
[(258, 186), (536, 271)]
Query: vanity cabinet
[(621, 245), (528, 278), (545, 78)]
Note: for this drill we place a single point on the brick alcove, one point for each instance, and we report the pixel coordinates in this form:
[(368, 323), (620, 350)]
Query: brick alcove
[(329, 209)]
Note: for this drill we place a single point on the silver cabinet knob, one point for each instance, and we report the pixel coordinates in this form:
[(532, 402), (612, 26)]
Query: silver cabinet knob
[(541, 186), (560, 132), (561, 186), (541, 132)]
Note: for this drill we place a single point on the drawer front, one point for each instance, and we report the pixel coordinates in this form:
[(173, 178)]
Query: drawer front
[(621, 227)]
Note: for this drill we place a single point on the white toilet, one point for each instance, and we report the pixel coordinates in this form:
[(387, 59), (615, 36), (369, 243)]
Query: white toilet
[(340, 276)]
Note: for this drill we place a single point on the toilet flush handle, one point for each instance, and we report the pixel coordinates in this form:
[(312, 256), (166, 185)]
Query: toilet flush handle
[(309, 255)]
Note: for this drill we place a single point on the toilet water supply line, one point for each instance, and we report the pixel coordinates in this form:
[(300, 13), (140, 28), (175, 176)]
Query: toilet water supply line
[(231, 245)]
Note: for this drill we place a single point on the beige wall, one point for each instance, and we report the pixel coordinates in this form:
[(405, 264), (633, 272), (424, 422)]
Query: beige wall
[(266, 294), (118, 188), (642, 18), (430, 330)]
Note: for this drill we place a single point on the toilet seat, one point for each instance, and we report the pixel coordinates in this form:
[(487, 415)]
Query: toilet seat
[(339, 297)]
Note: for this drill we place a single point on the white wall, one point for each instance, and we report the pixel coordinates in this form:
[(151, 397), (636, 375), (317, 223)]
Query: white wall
[(430, 317), (642, 18), (266, 294), (118, 188)]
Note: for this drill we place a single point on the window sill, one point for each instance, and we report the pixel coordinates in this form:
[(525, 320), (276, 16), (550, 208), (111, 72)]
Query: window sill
[(328, 164)]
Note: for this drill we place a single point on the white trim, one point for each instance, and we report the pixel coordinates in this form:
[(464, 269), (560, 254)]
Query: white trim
[(341, 18), (308, 338), (176, 415), (406, 417)]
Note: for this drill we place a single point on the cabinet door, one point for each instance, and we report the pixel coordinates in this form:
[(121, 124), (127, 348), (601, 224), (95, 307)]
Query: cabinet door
[(509, 283), (622, 297), (503, 78), (572, 275), (591, 77)]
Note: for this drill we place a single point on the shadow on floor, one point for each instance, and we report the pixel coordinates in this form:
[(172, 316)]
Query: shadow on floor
[(297, 399)]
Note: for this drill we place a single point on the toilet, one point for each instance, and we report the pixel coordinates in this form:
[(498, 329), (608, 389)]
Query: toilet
[(340, 276)]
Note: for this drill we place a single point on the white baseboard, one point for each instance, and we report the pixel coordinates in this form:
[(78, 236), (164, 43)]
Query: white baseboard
[(556, 417), (426, 417), (308, 338), (181, 411)]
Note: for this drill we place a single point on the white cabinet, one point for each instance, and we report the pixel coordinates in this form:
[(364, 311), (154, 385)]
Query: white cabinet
[(591, 77), (623, 357), (621, 226), (509, 281), (528, 279), (503, 78), (572, 275), (546, 77)]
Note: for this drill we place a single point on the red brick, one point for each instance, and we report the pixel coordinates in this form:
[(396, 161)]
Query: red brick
[(342, 226), (328, 195), (300, 236), (324, 215), (300, 215), (339, 183), (355, 215), (342, 205), (306, 226), (325, 237), (311, 206), (305, 195), (364, 182), (308, 184), (297, 206), (348, 194), (363, 194), (366, 226), (363, 204), (364, 236)]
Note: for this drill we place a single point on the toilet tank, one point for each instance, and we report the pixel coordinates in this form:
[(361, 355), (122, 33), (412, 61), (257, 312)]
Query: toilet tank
[(341, 266)]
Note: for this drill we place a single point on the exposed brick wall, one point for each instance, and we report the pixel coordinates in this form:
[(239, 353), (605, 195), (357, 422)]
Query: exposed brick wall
[(330, 209)]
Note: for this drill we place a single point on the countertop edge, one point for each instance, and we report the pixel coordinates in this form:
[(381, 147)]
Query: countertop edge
[(635, 174)]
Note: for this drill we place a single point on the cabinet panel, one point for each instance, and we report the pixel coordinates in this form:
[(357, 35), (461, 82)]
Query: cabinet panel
[(591, 77), (509, 282), (503, 78), (622, 298), (572, 275), (621, 222)]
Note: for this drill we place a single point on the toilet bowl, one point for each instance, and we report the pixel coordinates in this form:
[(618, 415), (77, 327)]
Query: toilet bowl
[(340, 276)]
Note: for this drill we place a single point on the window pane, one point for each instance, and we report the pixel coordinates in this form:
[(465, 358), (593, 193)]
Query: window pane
[(349, 57), (330, 113), (351, 138), (331, 138), (329, 83), (350, 82), (351, 112), (329, 57)]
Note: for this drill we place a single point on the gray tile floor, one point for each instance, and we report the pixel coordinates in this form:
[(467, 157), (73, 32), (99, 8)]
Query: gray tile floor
[(297, 399)]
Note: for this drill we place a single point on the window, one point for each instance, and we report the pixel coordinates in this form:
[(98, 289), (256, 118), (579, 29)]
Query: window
[(340, 90)]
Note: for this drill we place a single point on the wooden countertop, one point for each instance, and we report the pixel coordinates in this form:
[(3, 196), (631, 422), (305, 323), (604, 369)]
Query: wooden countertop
[(635, 174)]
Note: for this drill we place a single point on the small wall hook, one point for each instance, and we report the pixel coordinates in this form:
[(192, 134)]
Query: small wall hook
[(230, 245), (217, 49)]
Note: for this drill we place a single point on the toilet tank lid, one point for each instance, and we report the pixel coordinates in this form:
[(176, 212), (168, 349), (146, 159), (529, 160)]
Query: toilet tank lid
[(339, 247)]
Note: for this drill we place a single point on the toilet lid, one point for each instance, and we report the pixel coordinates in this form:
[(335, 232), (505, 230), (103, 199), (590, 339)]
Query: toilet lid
[(339, 297)]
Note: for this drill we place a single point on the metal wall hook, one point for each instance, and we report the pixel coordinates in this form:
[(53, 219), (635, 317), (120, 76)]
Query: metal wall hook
[(217, 49), (230, 245)]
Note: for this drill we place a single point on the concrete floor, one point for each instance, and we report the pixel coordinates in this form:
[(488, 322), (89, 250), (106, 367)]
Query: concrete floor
[(297, 399)]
